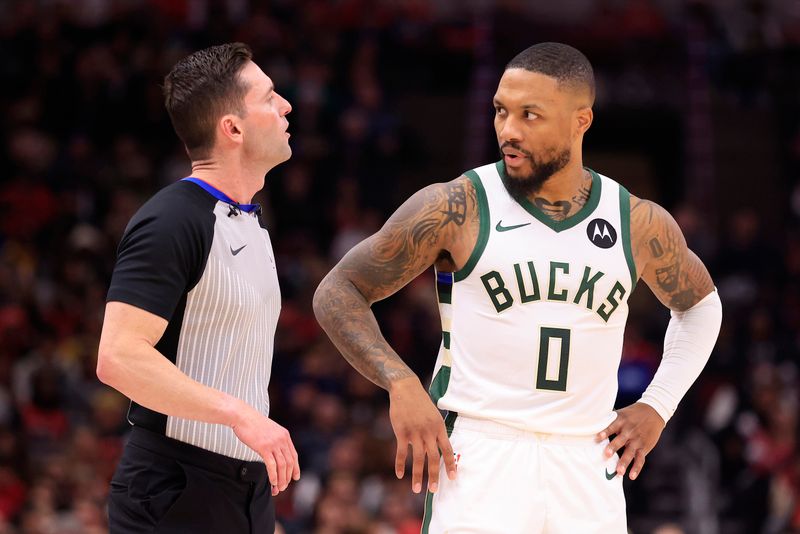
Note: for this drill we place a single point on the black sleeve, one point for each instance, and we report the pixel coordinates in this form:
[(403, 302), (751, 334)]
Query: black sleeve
[(163, 251)]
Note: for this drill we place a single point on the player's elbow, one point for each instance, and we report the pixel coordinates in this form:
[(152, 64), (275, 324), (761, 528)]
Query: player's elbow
[(337, 295), (322, 297), (334, 296)]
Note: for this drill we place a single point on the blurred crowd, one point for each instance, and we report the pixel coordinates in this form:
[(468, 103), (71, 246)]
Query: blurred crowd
[(85, 140)]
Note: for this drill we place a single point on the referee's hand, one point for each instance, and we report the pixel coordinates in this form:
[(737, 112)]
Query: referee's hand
[(417, 422), (272, 442)]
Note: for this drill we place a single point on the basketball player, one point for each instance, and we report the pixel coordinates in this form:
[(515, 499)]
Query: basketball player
[(536, 257), (191, 315)]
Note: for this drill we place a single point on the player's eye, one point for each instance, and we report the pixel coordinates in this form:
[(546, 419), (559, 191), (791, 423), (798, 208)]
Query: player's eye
[(531, 115), (499, 110)]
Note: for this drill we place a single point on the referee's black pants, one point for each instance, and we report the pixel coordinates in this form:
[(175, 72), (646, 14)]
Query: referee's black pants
[(164, 485)]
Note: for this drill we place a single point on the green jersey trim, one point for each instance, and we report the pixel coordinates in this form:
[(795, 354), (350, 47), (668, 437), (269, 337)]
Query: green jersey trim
[(572, 220), (625, 218), (427, 514), (483, 232), (440, 382)]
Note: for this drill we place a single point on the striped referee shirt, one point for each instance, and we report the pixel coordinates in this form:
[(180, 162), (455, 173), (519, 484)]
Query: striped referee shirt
[(205, 264)]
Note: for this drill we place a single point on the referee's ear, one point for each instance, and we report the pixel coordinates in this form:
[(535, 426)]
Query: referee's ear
[(229, 132)]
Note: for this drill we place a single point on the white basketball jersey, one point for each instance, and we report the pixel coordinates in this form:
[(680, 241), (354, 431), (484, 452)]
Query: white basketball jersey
[(533, 323)]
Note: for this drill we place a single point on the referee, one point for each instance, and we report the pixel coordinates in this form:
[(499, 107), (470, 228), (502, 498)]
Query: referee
[(191, 315)]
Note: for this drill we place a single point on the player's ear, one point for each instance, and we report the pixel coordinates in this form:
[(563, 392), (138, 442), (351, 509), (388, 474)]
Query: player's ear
[(583, 119)]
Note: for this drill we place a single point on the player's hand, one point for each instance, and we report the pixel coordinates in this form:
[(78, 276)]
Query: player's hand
[(418, 423), (637, 428), (272, 442)]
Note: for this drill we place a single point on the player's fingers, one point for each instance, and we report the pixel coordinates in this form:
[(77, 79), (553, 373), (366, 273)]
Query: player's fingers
[(272, 472), (625, 460), (610, 430), (433, 465), (417, 464), (638, 464), (447, 455), (400, 458), (616, 444)]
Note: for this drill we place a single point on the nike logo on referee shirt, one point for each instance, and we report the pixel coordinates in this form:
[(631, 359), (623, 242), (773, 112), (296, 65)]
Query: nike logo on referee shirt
[(238, 250), (610, 476), (501, 228)]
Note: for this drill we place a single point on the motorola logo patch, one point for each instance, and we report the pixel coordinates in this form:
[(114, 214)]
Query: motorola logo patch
[(601, 233)]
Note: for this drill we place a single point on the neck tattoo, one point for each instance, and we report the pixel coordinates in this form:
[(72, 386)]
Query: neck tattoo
[(559, 210)]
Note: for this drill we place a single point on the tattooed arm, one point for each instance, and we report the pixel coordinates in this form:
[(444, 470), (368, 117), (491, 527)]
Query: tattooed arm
[(681, 282), (425, 230), (674, 273)]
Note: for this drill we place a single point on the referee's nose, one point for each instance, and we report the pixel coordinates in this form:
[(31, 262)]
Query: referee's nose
[(284, 106)]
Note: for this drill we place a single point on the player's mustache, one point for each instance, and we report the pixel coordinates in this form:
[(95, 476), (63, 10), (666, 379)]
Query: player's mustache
[(516, 147)]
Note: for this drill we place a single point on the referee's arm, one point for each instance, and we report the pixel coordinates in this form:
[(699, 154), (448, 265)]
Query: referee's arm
[(128, 361)]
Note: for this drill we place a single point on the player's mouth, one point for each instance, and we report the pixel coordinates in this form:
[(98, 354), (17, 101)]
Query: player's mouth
[(513, 158)]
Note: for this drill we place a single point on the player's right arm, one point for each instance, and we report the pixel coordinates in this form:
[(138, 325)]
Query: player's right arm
[(423, 231)]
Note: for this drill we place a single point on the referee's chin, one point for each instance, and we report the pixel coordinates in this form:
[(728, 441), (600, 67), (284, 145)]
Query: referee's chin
[(286, 153), (278, 158)]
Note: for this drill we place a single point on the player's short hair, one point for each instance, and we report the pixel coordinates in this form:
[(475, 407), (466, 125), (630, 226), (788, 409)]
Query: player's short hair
[(562, 62), (200, 89)]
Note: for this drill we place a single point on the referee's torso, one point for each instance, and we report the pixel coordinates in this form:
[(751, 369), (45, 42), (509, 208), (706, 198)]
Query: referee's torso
[(205, 264)]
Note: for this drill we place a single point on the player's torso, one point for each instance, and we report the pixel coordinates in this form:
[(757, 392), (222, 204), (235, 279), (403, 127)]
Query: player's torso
[(533, 323)]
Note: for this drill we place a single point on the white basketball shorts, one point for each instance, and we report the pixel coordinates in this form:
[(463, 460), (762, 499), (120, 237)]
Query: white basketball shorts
[(514, 481)]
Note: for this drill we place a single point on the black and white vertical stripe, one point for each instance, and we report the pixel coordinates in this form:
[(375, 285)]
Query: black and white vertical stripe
[(227, 344)]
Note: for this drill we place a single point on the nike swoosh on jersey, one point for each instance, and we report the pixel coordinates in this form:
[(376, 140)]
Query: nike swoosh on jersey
[(610, 476), (501, 228), (238, 250)]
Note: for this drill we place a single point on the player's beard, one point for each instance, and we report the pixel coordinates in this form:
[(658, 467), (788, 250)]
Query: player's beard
[(521, 187)]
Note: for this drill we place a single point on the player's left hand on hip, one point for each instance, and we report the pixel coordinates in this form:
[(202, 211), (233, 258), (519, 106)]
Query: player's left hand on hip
[(637, 428)]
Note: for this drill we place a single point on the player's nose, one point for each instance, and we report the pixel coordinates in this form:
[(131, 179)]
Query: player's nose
[(509, 131)]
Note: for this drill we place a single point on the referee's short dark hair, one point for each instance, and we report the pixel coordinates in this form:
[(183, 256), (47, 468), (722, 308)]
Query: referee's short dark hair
[(562, 62), (200, 89)]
